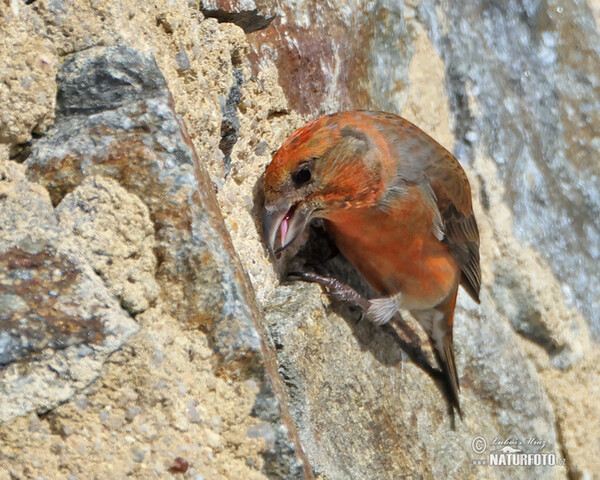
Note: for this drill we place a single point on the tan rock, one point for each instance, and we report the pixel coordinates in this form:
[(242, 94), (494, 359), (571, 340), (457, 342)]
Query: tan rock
[(58, 324), (113, 230), (28, 65), (427, 103), (575, 395), (156, 409), (362, 407)]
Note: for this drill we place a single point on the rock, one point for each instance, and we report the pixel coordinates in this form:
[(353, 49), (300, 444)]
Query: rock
[(326, 361), (575, 394), (182, 59), (58, 322), (126, 180), (114, 232), (180, 465), (251, 15), (129, 132), (138, 454), (27, 87), (323, 67), (230, 125), (530, 121), (263, 430), (125, 78)]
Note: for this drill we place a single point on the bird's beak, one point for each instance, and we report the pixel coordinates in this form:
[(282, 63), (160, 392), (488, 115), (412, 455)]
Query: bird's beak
[(290, 220)]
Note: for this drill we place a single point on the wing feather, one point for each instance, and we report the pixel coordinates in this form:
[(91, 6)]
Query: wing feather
[(423, 161), (453, 193)]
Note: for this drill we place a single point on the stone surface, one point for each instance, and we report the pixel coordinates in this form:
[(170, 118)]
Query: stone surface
[(58, 323), (114, 232), (128, 186), (158, 399), (230, 126), (327, 362), (129, 132), (251, 15), (575, 395), (333, 56), (536, 119), (27, 87), (508, 87)]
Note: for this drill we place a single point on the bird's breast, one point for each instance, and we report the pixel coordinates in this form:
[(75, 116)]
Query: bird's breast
[(395, 249)]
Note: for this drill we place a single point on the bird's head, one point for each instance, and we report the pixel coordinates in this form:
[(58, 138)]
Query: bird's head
[(327, 165)]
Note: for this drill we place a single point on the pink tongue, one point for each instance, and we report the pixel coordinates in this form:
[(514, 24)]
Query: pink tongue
[(284, 229)]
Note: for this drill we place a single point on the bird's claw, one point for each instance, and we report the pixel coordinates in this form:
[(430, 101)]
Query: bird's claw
[(294, 276), (378, 311), (336, 289)]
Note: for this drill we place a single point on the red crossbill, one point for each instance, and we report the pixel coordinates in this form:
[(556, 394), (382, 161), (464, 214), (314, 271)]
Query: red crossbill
[(397, 205)]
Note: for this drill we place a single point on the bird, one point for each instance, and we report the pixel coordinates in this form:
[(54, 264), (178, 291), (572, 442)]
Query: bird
[(397, 205)]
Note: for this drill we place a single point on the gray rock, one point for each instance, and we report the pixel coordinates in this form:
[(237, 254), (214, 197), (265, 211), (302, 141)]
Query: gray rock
[(58, 322), (126, 180), (182, 59), (116, 120), (89, 84), (341, 375), (538, 121), (251, 15), (230, 125)]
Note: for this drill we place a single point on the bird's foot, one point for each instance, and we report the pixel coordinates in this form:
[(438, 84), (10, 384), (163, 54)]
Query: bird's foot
[(377, 310), (336, 289)]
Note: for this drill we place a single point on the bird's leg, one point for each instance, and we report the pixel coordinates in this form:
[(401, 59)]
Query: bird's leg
[(338, 290), (378, 310)]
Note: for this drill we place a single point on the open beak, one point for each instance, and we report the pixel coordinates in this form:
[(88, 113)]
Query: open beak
[(289, 220)]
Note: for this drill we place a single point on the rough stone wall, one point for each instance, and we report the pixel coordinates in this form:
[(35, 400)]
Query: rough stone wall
[(165, 375), (144, 331)]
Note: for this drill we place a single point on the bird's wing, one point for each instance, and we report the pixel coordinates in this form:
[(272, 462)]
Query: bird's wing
[(421, 160), (453, 198)]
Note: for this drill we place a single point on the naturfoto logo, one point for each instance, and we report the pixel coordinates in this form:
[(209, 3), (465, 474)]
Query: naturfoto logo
[(512, 451)]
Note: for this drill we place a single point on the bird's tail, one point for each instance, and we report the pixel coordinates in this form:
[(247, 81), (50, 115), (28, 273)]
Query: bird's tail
[(446, 359), (438, 324), (445, 351)]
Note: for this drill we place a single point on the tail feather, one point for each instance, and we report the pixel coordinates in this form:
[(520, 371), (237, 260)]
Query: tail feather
[(447, 361), (438, 324), (445, 351)]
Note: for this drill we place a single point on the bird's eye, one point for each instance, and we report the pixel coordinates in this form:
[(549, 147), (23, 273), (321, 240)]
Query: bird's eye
[(302, 176)]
